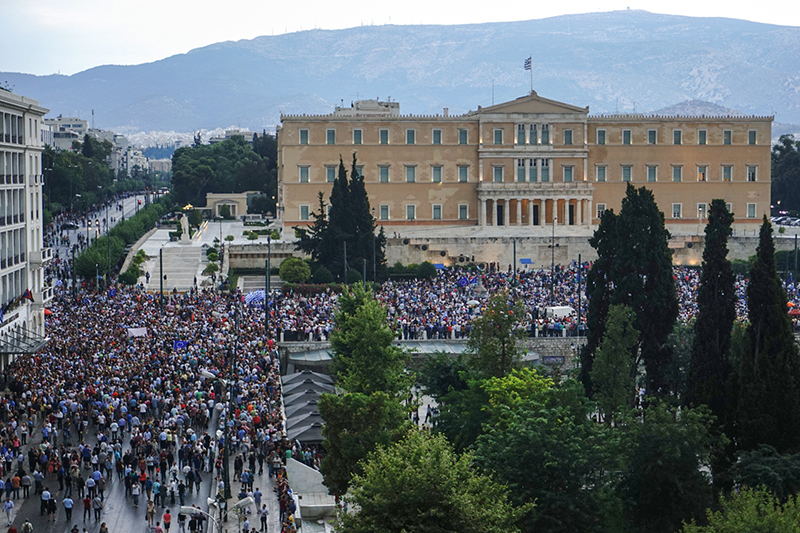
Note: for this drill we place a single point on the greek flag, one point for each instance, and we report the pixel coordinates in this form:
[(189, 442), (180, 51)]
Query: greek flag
[(254, 296), (528, 63)]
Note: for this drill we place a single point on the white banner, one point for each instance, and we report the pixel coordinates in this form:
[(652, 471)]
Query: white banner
[(137, 332)]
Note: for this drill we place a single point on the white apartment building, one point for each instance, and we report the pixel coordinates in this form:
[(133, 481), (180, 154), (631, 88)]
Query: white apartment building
[(22, 256)]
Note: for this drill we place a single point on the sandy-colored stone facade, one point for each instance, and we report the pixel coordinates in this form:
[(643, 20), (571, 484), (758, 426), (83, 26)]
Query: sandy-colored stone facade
[(531, 164)]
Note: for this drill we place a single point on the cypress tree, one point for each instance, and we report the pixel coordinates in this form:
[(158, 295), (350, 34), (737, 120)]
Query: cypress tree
[(598, 292), (769, 373), (643, 279), (716, 301), (339, 224), (362, 219), (349, 221)]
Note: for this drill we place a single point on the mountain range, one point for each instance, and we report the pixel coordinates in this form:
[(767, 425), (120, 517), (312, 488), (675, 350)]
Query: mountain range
[(619, 61)]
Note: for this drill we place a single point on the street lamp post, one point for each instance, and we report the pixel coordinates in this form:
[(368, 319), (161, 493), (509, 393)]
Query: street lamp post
[(267, 288), (374, 266), (514, 271), (74, 280), (553, 263), (241, 504)]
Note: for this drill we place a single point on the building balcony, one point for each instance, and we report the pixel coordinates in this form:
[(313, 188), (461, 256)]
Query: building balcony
[(489, 189), (42, 298), (41, 257)]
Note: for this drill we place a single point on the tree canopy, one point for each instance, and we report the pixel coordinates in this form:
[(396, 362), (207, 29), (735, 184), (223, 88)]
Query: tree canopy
[(422, 485), (494, 339), (230, 166), (786, 173)]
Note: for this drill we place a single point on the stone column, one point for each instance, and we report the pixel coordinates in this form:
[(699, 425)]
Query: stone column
[(482, 213), (530, 212), (519, 211), (507, 212), (542, 209)]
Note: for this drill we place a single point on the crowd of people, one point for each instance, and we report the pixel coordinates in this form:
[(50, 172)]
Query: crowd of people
[(127, 393), (444, 306)]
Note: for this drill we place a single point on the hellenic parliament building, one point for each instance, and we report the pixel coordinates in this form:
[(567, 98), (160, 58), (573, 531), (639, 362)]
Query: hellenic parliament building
[(458, 188)]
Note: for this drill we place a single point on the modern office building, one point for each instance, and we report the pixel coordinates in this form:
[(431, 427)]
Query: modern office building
[(22, 257), (525, 165)]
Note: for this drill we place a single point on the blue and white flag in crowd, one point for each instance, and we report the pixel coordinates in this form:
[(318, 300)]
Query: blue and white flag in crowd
[(254, 296), (463, 281), (178, 345), (112, 293)]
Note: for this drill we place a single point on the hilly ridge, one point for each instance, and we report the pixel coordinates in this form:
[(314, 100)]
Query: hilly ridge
[(610, 61)]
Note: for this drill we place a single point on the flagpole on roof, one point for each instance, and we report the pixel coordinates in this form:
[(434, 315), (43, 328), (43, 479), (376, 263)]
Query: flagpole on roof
[(531, 56), (529, 66)]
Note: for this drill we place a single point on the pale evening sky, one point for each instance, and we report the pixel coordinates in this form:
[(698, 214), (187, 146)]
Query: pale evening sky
[(50, 36)]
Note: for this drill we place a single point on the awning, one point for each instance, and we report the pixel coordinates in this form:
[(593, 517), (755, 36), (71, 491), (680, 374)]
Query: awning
[(525, 261), (24, 342), (439, 266)]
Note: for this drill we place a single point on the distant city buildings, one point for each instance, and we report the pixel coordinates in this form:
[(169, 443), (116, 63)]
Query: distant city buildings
[(23, 292)]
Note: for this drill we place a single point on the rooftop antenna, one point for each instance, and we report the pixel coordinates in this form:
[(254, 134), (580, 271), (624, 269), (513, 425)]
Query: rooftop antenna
[(92, 118)]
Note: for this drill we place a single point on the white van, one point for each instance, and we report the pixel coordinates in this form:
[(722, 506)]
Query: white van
[(559, 311)]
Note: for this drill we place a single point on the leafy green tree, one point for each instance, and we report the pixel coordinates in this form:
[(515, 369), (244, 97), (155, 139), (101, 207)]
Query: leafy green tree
[(519, 386), (494, 339), (750, 511), (422, 485), (786, 172), (426, 270), (322, 275), (365, 359), (195, 217), (442, 373), (765, 467), (229, 166), (225, 211), (294, 270), (463, 413), (355, 424), (662, 482), (614, 372), (548, 450), (769, 373), (716, 301)]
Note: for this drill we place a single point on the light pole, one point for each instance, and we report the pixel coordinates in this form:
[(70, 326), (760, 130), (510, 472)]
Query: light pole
[(241, 504), (514, 271), (74, 280), (553, 263), (580, 271), (267, 288), (374, 266)]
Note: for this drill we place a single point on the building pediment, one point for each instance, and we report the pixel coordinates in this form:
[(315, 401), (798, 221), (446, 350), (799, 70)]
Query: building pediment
[(532, 104)]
